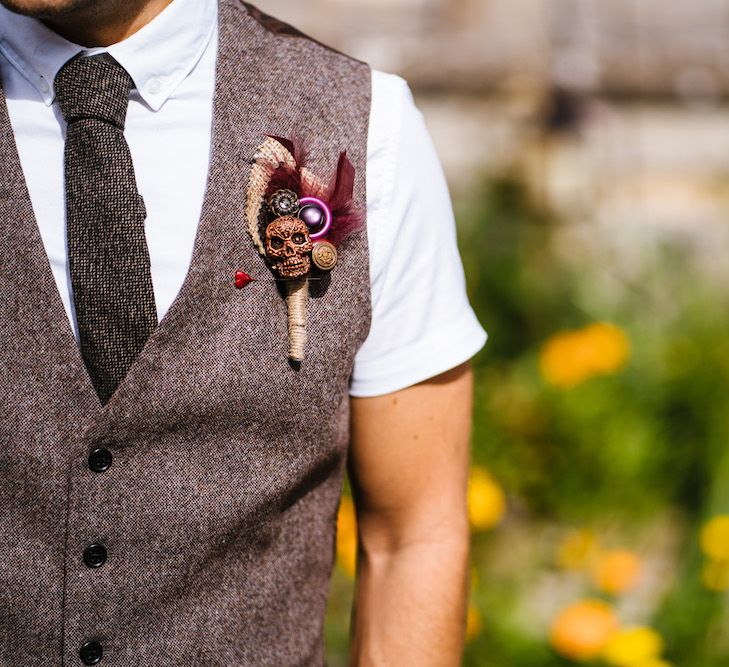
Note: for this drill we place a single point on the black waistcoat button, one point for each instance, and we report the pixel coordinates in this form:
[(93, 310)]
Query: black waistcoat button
[(95, 555), (91, 653), (100, 459)]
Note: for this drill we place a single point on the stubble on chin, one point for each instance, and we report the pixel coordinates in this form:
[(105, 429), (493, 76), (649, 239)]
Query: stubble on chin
[(47, 9)]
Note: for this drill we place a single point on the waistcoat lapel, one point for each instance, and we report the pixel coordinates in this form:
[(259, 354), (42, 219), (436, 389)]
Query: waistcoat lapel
[(245, 111), (221, 243), (46, 403), (36, 333)]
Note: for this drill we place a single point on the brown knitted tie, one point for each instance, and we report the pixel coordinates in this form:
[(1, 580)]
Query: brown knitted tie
[(107, 250)]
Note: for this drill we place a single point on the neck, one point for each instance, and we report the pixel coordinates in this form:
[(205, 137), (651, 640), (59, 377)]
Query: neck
[(105, 23)]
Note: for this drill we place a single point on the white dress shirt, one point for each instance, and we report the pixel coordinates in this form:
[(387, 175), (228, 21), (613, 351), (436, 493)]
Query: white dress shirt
[(422, 322)]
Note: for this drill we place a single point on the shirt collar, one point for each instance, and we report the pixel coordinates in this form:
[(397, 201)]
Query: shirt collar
[(158, 57)]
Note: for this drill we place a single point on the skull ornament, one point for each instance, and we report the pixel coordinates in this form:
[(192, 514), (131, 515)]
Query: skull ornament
[(288, 247)]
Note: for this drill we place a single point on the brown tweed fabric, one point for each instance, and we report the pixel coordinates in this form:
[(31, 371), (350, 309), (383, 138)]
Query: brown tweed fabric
[(218, 511), (107, 250)]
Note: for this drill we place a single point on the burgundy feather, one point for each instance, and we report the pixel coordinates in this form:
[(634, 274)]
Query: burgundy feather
[(294, 146), (287, 144), (338, 195), (284, 177), (343, 186)]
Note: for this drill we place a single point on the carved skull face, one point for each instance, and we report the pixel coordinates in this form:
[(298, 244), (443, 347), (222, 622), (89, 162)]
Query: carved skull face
[(288, 247)]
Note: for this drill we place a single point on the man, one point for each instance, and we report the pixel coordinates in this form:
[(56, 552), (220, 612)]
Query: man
[(169, 478)]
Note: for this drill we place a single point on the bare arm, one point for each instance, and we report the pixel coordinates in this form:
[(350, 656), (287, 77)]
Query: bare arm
[(409, 469)]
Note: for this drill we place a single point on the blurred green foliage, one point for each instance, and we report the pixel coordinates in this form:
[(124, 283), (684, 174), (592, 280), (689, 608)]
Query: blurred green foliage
[(637, 456)]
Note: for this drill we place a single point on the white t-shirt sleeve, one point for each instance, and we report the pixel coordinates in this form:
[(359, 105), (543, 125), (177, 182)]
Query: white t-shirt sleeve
[(422, 321)]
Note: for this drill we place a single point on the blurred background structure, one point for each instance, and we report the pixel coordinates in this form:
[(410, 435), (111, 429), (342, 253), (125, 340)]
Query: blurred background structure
[(586, 144)]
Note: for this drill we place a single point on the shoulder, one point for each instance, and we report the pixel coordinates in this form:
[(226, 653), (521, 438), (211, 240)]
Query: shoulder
[(314, 91), (390, 88), (290, 39), (391, 107)]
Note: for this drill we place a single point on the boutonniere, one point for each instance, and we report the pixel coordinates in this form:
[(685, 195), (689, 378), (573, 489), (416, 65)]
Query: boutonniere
[(297, 221)]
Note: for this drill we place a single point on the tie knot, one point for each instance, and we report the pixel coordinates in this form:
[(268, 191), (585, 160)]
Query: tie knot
[(93, 88)]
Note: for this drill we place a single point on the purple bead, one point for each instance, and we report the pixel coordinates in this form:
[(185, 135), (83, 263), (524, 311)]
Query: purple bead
[(312, 215), (320, 219)]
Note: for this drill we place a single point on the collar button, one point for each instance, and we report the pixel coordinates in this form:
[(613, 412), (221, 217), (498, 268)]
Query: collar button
[(154, 86)]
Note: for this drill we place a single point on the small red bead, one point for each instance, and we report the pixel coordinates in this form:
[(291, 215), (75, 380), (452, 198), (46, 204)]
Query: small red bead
[(242, 279)]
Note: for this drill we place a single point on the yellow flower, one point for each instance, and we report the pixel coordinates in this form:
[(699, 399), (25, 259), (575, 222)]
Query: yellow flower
[(581, 630), (571, 357), (633, 647), (616, 571), (715, 538), (486, 500), (347, 536), (577, 550), (474, 622), (715, 575), (654, 662)]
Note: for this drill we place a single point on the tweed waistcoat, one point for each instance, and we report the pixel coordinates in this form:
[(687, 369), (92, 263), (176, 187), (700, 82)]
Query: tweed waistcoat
[(218, 512)]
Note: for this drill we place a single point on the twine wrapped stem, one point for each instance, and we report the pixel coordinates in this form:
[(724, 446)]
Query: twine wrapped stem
[(297, 293)]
